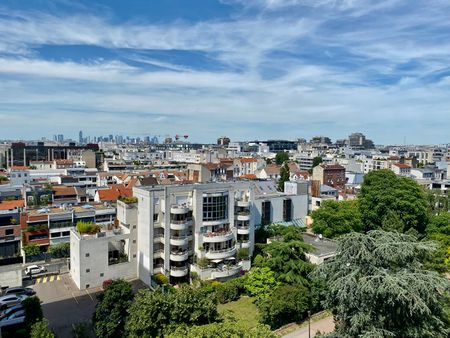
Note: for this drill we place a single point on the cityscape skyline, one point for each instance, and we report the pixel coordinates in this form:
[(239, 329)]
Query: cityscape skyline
[(273, 68)]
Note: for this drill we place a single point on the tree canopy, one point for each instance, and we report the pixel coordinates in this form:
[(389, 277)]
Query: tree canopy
[(382, 192), (281, 157), (284, 176), (379, 288), (222, 330), (334, 218), (153, 312), (111, 309)]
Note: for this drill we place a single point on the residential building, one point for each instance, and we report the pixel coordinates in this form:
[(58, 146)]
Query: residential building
[(332, 175), (401, 169), (10, 234)]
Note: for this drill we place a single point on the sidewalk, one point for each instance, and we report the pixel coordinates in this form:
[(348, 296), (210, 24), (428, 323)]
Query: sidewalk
[(325, 325)]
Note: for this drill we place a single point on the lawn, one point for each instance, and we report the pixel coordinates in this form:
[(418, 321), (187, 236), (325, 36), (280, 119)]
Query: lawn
[(243, 310)]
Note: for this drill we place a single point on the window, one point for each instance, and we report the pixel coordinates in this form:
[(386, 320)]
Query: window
[(215, 207), (134, 241), (55, 234), (155, 217), (88, 270), (87, 286), (9, 232), (287, 210), (102, 274), (66, 233), (265, 213), (134, 255), (87, 254)]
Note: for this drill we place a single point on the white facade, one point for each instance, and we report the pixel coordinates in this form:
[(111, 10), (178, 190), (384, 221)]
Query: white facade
[(109, 254)]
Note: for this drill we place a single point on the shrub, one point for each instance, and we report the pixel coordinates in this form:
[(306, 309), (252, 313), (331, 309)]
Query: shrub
[(87, 227), (61, 250), (243, 254), (40, 329), (106, 283), (202, 262), (227, 292), (128, 200), (161, 279), (31, 250)]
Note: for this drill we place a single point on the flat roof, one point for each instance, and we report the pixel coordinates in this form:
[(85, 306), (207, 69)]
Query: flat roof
[(323, 247)]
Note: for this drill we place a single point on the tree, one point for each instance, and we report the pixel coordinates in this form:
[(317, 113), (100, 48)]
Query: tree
[(154, 312), (287, 304), (284, 176), (60, 250), (287, 260), (3, 178), (111, 309), (383, 191), (260, 282), (334, 218), (440, 224), (222, 330), (281, 157), (33, 311), (316, 161), (31, 250), (40, 329), (379, 288)]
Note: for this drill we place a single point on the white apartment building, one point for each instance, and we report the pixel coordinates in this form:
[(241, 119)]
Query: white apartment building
[(178, 230), (108, 254)]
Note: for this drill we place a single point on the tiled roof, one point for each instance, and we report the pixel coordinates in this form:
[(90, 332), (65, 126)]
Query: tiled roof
[(402, 166), (11, 205), (19, 167), (249, 177), (272, 169), (64, 191), (114, 192), (248, 160), (332, 166)]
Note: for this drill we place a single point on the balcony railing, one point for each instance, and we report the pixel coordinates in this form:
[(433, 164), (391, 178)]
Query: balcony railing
[(181, 221), (218, 233)]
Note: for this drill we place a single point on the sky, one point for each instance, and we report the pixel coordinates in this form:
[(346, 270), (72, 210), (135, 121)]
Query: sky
[(247, 69)]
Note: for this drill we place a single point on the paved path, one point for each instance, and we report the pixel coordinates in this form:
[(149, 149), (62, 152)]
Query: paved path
[(325, 325)]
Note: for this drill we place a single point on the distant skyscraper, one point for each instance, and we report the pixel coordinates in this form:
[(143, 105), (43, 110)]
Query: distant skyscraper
[(60, 137), (80, 137)]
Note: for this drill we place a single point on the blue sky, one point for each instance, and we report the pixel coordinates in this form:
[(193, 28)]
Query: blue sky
[(250, 69)]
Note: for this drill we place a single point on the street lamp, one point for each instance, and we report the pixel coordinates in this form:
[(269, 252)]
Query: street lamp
[(309, 324)]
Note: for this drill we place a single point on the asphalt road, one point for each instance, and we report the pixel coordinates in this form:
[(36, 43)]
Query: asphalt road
[(63, 304)]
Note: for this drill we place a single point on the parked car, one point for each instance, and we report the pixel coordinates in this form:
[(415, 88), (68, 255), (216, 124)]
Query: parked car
[(8, 312), (19, 291), (34, 269), (11, 300), (17, 314)]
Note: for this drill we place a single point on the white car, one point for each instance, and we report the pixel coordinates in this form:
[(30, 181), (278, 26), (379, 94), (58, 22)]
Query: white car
[(34, 269), (11, 300)]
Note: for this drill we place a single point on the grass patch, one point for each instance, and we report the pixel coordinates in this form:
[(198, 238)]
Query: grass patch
[(243, 310)]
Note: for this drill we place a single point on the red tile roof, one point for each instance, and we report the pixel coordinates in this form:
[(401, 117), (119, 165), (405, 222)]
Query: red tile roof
[(115, 191), (248, 160), (11, 205), (249, 177), (402, 166), (64, 191)]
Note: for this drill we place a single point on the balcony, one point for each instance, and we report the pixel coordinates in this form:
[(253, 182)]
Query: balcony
[(244, 244), (216, 237), (243, 204), (158, 238), (180, 225), (179, 256), (179, 271), (220, 254), (158, 254), (243, 230), (158, 269), (179, 209), (226, 272), (180, 240), (243, 216)]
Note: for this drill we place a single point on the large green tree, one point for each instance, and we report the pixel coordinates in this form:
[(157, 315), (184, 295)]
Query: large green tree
[(281, 157), (152, 313), (382, 192), (284, 176), (33, 311), (222, 330), (334, 218), (260, 282), (40, 329), (111, 309), (287, 304), (379, 288)]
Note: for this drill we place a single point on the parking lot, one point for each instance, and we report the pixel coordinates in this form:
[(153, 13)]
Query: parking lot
[(62, 303)]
